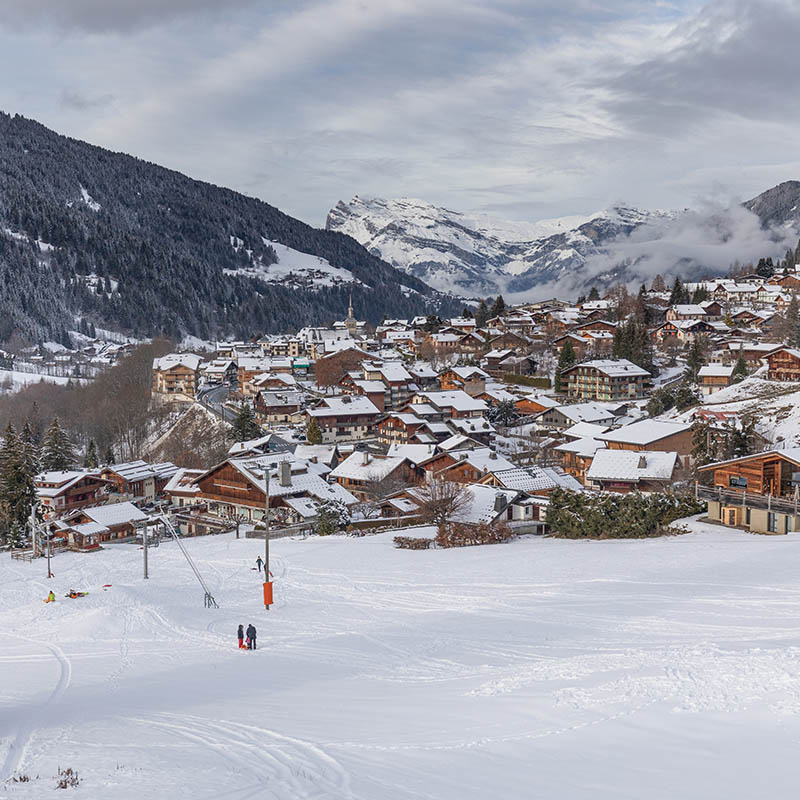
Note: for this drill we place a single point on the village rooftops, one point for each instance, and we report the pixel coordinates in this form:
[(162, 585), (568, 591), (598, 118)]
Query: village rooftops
[(631, 465), (644, 432), (685, 310), (131, 471)]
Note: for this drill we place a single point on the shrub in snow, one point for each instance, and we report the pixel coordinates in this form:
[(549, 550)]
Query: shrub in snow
[(67, 779), (412, 542), (460, 534)]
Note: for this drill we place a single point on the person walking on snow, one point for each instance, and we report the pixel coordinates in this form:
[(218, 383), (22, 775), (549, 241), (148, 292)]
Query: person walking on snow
[(240, 637), (251, 637), (259, 562)]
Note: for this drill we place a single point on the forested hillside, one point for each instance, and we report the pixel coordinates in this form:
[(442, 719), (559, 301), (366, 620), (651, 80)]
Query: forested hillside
[(87, 234)]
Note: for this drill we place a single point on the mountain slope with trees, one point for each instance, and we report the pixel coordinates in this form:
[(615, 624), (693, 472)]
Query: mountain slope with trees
[(91, 237)]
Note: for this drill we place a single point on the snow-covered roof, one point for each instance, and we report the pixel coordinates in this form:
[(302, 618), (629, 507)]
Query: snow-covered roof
[(632, 465), (790, 453), (581, 447), (534, 478), (140, 470), (324, 453), (715, 371), (346, 405), (583, 430), (415, 453), (586, 412), (366, 467), (261, 443), (483, 459), (644, 432), (691, 308), (188, 360), (456, 399), (114, 514), (612, 368)]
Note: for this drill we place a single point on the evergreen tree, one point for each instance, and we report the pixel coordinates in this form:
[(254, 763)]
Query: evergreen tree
[(30, 448), (739, 370), (594, 294), (108, 456), (700, 295), (499, 307), (566, 358), (505, 413), (679, 294), (244, 426), (432, 324), (17, 488), (313, 432), (695, 358), (482, 314), (57, 450), (658, 284), (90, 460), (792, 328)]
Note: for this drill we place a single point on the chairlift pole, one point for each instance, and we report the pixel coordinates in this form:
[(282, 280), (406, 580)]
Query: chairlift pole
[(267, 582), (144, 549)]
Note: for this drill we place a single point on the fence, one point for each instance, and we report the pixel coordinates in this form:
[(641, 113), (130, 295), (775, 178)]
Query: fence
[(730, 497)]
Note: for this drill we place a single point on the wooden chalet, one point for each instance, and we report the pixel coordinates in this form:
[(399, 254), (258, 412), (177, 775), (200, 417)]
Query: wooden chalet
[(759, 493), (60, 492), (783, 364)]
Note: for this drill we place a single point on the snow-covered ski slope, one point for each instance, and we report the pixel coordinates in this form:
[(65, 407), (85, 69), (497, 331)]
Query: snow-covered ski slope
[(538, 669)]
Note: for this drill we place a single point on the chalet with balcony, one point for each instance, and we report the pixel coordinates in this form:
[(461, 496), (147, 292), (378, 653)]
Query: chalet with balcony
[(138, 480), (606, 380), (759, 493), (651, 435), (713, 377), (783, 364), (63, 491), (471, 380), (175, 376), (345, 418), (367, 476)]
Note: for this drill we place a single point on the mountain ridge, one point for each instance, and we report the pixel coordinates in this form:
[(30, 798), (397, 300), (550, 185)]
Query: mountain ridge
[(92, 236), (477, 256)]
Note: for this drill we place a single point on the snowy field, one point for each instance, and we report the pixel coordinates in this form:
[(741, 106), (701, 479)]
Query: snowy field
[(538, 669)]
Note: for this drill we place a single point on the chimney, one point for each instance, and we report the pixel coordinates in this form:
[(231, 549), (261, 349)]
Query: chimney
[(499, 502), (364, 458), (492, 454), (285, 473), (642, 462)]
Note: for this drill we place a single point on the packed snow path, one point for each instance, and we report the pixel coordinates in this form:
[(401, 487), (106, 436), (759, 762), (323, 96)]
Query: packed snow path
[(541, 668)]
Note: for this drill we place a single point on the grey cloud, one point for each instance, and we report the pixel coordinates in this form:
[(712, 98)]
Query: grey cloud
[(734, 58), (102, 16), (78, 101)]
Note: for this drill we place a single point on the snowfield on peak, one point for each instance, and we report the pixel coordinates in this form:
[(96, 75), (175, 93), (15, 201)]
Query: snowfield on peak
[(477, 254), (659, 668)]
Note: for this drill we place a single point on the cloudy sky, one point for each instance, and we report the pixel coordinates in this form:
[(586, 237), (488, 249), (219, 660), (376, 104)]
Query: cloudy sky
[(523, 108)]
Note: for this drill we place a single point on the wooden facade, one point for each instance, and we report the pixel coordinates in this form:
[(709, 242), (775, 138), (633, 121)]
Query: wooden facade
[(784, 365)]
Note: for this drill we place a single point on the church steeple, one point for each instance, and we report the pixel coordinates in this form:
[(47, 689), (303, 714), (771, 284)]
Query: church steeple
[(351, 323)]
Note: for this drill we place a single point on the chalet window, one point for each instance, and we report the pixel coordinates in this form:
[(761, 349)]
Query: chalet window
[(772, 522), (747, 516), (737, 481)]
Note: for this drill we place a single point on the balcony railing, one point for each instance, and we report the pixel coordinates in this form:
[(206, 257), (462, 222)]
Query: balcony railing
[(729, 497)]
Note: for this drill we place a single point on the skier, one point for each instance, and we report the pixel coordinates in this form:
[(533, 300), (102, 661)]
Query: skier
[(259, 562), (251, 637), (240, 636)]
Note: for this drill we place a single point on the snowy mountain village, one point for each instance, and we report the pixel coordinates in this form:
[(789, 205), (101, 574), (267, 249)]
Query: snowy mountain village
[(498, 423)]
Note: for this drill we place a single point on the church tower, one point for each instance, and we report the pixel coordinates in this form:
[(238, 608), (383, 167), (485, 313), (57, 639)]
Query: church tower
[(351, 323)]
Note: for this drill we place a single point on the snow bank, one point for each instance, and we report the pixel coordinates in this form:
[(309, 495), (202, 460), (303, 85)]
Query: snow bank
[(541, 668)]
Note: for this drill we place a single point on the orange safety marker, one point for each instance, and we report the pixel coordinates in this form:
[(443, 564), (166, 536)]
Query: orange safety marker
[(268, 594)]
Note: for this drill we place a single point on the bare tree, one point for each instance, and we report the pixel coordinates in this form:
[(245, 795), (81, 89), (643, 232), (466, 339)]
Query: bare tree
[(439, 500), (377, 489)]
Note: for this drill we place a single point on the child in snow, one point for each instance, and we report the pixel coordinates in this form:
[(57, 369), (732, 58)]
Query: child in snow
[(240, 636), (51, 598)]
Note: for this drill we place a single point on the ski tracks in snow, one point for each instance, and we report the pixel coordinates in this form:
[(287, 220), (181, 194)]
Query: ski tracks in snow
[(19, 745), (282, 766)]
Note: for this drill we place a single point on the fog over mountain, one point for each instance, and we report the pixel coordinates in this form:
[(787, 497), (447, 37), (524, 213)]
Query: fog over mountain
[(477, 255)]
